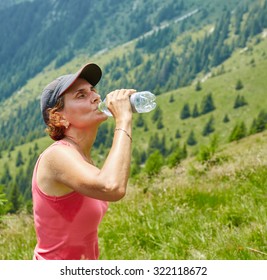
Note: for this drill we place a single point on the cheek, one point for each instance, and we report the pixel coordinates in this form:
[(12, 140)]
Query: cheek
[(75, 110), (78, 114)]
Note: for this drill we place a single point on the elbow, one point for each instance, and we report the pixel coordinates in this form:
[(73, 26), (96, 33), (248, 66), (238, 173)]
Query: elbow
[(118, 196), (115, 192)]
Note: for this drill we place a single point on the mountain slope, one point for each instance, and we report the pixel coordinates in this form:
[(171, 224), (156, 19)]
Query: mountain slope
[(45, 31), (170, 56), (221, 84), (59, 30), (161, 61)]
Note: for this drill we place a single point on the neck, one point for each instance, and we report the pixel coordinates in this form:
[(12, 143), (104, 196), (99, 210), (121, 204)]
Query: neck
[(83, 140)]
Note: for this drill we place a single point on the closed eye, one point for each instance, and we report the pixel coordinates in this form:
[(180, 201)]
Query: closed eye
[(81, 95)]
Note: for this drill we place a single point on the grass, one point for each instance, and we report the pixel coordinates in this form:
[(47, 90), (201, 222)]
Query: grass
[(205, 218), (214, 210), (17, 237), (210, 211)]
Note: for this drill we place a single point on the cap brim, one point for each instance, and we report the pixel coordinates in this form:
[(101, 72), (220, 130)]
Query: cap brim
[(90, 72)]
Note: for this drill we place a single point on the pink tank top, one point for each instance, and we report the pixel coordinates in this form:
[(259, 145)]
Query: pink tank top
[(66, 226)]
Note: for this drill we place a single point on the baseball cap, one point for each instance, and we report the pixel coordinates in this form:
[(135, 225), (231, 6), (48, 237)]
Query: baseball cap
[(90, 72)]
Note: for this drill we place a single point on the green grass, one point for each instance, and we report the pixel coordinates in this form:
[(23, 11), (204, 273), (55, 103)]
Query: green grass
[(17, 237), (215, 210), (206, 218)]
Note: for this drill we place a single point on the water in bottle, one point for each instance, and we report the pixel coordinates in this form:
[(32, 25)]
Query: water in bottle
[(142, 102)]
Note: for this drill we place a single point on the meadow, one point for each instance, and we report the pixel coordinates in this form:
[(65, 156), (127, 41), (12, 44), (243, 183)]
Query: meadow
[(212, 210)]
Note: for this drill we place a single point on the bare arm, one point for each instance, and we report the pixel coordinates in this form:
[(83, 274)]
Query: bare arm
[(69, 170), (116, 168), (117, 164)]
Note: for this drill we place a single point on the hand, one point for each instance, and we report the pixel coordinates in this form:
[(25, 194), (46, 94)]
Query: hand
[(118, 102)]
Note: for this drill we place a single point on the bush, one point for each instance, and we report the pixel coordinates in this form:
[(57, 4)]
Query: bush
[(154, 163)]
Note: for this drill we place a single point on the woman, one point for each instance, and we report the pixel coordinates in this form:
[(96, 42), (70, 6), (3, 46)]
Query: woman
[(70, 193)]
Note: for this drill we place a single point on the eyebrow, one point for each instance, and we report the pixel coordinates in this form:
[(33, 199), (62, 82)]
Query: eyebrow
[(83, 90), (79, 90)]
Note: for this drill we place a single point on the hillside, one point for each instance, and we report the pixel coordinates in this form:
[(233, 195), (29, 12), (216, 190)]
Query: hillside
[(222, 86), (172, 55), (210, 211), (43, 32), (195, 54)]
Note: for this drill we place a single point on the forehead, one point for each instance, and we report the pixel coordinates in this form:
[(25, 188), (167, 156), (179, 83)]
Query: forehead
[(79, 84)]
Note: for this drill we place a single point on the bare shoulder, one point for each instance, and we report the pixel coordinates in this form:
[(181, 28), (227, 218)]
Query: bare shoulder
[(57, 153), (54, 163)]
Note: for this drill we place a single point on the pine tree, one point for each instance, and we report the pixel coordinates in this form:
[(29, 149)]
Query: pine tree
[(253, 128), (177, 155), (36, 147), (259, 124), (191, 140), (19, 159), (15, 199), (154, 143), (163, 149), (160, 124), (195, 112), (206, 152), (177, 134), (209, 127), (239, 85), (207, 104), (146, 127), (143, 156), (226, 118), (171, 100), (6, 177), (240, 101), (140, 121), (185, 113), (238, 132), (102, 135), (198, 86), (157, 114)]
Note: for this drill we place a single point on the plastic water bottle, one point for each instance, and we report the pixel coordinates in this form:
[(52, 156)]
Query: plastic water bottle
[(142, 102)]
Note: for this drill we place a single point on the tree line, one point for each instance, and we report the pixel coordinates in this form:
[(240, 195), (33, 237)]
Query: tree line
[(166, 68)]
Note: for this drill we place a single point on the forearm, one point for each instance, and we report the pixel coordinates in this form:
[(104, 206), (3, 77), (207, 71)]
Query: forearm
[(116, 168)]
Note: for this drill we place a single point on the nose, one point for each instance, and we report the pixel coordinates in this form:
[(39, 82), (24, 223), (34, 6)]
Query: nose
[(96, 98)]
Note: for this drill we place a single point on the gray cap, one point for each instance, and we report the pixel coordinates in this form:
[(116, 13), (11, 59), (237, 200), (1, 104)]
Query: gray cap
[(90, 72)]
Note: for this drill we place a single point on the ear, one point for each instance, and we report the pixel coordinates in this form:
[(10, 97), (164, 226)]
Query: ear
[(59, 120), (64, 122)]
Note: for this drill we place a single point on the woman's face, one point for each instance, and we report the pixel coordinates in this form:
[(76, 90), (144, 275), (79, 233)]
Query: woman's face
[(81, 105)]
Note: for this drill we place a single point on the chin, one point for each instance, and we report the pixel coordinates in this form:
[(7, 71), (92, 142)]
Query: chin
[(103, 117)]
